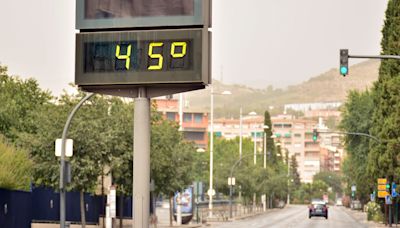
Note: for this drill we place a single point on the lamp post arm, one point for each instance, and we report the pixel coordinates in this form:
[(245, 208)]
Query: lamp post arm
[(352, 133), (62, 161)]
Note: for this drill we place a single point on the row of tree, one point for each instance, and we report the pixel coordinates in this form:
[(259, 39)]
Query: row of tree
[(376, 112), (31, 119)]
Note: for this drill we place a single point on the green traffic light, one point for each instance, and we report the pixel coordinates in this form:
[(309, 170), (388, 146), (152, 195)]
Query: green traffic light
[(344, 70), (387, 186)]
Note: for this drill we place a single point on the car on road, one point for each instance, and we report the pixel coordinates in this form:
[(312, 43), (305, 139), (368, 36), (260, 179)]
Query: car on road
[(339, 202), (318, 208)]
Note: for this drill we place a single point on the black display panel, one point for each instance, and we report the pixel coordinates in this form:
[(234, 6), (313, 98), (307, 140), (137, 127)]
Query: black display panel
[(162, 55), (132, 14), (101, 9), (142, 57)]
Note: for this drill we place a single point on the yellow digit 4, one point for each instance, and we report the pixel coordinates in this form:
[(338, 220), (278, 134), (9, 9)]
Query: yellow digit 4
[(178, 44), (156, 56), (126, 57)]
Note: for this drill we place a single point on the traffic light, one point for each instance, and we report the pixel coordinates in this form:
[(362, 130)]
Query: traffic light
[(344, 62), (315, 135)]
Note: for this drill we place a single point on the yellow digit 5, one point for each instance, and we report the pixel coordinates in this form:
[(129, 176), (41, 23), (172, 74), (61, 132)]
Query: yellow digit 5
[(178, 44), (126, 57), (156, 56)]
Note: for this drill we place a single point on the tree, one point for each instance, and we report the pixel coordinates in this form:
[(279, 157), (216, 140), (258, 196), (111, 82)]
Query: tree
[(15, 167), (332, 179), (294, 174), (384, 156), (357, 115), (270, 141), (20, 99)]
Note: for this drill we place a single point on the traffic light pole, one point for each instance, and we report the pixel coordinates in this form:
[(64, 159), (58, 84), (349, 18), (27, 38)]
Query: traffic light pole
[(375, 57), (351, 133)]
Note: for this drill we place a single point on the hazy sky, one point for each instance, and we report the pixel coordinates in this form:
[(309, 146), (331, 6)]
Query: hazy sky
[(255, 42)]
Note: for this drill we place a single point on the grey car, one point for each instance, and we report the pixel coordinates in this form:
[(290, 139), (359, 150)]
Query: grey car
[(318, 209)]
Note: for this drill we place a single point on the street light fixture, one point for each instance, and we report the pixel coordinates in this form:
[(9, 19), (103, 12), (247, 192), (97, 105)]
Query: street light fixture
[(210, 190)]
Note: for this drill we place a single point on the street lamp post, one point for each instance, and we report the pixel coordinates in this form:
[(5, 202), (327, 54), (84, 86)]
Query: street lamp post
[(210, 190), (264, 196), (265, 146), (255, 138)]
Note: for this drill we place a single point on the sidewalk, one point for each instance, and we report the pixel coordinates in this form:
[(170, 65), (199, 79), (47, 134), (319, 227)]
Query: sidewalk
[(361, 217)]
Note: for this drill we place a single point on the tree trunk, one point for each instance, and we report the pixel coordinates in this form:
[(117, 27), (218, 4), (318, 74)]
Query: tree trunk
[(82, 202), (171, 209), (121, 210)]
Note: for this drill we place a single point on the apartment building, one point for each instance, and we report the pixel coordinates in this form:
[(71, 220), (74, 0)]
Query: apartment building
[(194, 122), (296, 136)]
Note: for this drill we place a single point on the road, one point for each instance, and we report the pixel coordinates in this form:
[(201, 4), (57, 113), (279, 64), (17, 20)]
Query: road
[(296, 216)]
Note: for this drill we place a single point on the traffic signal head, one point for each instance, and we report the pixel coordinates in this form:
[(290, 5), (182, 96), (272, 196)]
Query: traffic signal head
[(387, 186), (315, 135), (344, 62)]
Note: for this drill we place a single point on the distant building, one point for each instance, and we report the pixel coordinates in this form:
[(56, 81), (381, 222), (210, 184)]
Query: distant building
[(194, 124), (331, 158), (296, 136), (313, 106)]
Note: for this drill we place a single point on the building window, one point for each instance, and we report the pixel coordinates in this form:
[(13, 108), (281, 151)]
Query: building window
[(187, 117), (171, 116), (198, 117), (297, 135), (194, 136)]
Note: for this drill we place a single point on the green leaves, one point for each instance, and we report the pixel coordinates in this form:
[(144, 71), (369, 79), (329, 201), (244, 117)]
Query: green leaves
[(15, 167)]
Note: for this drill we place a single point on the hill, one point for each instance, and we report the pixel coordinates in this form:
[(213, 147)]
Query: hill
[(327, 87)]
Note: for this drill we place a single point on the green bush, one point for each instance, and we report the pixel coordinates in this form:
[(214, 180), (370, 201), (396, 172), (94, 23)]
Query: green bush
[(374, 212), (15, 167)]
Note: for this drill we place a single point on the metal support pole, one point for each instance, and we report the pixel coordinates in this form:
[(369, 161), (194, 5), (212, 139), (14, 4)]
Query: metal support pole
[(390, 215), (288, 190), (141, 161), (241, 134), (265, 150), (255, 147), (230, 199), (62, 162), (210, 202)]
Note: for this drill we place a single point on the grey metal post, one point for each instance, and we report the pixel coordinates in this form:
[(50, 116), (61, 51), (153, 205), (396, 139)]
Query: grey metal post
[(62, 166), (230, 199), (141, 161)]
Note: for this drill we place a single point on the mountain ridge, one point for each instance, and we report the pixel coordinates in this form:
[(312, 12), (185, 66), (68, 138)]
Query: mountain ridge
[(329, 86)]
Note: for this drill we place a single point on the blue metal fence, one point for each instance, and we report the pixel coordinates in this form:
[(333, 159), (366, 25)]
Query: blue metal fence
[(15, 209), (18, 209)]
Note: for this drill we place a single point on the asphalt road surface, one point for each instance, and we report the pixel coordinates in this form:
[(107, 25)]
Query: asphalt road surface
[(296, 216)]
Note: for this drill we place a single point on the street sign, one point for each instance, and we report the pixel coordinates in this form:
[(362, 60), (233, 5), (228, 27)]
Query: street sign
[(382, 181), (372, 197), (388, 199), (231, 181), (209, 192), (69, 144), (382, 190), (394, 193), (112, 201), (382, 194), (381, 187)]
